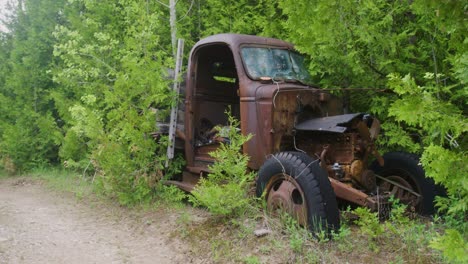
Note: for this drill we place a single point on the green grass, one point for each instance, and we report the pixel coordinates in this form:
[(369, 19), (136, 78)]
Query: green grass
[(64, 180), (3, 174), (401, 240)]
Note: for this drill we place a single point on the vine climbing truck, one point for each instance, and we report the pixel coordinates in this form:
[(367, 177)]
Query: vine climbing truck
[(309, 155)]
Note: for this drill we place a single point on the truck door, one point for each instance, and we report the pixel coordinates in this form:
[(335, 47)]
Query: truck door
[(215, 93)]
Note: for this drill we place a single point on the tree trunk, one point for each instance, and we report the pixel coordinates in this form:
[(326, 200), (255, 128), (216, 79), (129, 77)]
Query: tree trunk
[(172, 21)]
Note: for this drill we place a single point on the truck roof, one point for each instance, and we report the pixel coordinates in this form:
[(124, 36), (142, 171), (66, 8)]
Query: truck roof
[(235, 40)]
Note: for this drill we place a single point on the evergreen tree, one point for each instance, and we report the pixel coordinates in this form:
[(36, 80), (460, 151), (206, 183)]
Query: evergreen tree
[(417, 51), (29, 134), (112, 77)]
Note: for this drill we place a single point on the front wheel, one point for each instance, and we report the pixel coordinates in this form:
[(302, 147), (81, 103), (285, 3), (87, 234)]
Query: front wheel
[(406, 181), (294, 183)]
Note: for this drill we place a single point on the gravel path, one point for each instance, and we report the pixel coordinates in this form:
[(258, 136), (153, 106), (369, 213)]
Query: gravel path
[(41, 226)]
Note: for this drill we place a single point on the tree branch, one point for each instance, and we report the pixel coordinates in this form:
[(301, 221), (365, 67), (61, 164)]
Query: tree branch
[(190, 8), (162, 3)]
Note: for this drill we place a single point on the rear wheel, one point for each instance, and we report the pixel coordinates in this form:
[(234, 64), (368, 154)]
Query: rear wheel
[(294, 183), (406, 181)]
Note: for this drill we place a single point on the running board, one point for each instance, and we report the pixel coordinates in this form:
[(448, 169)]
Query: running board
[(189, 180), (188, 187)]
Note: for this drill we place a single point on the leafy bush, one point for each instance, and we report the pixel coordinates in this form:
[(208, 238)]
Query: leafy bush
[(434, 110), (225, 189), (111, 73), (453, 245), (171, 194), (32, 141), (370, 225)]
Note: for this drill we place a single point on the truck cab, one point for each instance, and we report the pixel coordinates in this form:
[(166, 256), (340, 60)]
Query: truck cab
[(250, 76)]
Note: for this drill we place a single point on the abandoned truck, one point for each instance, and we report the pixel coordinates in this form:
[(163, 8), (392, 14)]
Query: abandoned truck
[(309, 155)]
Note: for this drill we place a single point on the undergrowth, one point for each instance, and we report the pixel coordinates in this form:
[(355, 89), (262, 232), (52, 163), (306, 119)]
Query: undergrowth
[(83, 186), (224, 192), (366, 239), (63, 181), (399, 239), (229, 234)]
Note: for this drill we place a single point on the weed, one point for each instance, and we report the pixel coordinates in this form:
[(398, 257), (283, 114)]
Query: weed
[(397, 213), (170, 195), (183, 222), (265, 249), (370, 226), (252, 260), (453, 243), (312, 257), (64, 180), (296, 239), (343, 233)]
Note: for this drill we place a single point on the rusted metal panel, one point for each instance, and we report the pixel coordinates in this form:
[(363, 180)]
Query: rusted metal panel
[(328, 124), (257, 115)]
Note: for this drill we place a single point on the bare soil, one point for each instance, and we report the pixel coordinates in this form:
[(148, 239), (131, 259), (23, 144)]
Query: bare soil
[(38, 225)]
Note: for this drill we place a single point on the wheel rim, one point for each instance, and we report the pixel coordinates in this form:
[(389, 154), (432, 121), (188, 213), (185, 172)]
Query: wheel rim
[(399, 193), (285, 195)]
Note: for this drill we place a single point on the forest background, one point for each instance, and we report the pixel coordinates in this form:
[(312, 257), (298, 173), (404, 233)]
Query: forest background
[(79, 80)]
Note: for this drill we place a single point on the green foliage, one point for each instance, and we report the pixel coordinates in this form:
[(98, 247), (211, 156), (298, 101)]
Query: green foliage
[(30, 142), (224, 190), (369, 223), (85, 94), (298, 236), (397, 213), (449, 168), (111, 73), (228, 16), (224, 200), (442, 126), (453, 245), (397, 137), (373, 44), (428, 107), (171, 194), (354, 44), (29, 135), (359, 45)]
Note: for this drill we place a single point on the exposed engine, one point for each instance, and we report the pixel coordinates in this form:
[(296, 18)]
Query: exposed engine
[(344, 145)]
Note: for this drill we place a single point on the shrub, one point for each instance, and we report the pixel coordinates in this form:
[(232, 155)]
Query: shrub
[(225, 189)]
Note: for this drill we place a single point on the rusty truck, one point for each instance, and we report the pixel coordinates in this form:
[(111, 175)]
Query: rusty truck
[(310, 156)]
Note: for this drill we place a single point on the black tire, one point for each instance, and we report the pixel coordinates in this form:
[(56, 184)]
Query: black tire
[(405, 166), (313, 191)]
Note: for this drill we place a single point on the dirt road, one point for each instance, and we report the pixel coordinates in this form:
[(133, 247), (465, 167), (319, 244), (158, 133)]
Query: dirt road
[(38, 225)]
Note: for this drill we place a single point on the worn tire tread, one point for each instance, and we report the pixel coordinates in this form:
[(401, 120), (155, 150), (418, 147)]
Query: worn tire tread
[(319, 195), (408, 164)]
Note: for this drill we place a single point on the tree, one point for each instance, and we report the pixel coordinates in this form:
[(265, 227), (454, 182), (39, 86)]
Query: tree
[(112, 77), (29, 133), (417, 51)]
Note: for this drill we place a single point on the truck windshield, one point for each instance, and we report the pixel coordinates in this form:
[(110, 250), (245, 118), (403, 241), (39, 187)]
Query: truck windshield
[(277, 64)]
